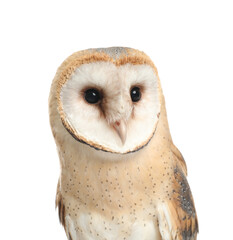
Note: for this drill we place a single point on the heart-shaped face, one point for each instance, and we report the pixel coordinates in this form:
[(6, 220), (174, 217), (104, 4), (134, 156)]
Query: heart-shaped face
[(110, 105)]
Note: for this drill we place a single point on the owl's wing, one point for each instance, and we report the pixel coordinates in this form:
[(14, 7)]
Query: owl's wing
[(61, 210), (60, 205), (177, 215)]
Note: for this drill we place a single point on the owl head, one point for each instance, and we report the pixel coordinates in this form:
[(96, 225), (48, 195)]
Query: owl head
[(108, 99)]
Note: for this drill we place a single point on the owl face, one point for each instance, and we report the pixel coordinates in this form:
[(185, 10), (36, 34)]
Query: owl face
[(114, 108)]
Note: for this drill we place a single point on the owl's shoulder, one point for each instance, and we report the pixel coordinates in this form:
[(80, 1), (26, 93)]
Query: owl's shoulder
[(178, 157)]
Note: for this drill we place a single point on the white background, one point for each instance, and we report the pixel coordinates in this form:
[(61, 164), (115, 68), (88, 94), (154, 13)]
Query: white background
[(191, 43)]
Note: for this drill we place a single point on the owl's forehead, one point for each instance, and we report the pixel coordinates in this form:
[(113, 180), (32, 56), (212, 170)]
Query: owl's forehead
[(107, 75), (109, 58)]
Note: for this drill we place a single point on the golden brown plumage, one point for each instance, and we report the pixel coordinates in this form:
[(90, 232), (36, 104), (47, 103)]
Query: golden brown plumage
[(102, 195)]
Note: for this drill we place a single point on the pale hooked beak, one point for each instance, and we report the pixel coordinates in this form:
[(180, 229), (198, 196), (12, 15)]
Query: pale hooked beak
[(120, 127)]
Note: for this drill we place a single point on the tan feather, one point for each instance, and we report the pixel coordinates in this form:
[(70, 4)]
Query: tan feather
[(179, 157)]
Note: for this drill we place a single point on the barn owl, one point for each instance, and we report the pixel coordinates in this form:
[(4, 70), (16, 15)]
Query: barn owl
[(121, 175)]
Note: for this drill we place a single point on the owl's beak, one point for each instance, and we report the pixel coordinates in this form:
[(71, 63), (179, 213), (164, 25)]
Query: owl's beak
[(120, 127)]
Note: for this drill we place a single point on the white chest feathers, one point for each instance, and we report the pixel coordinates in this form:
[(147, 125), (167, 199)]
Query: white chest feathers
[(95, 227)]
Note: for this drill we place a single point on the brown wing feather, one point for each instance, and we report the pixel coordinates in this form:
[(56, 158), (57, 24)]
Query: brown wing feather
[(60, 205), (70, 238), (177, 216), (61, 210), (184, 212)]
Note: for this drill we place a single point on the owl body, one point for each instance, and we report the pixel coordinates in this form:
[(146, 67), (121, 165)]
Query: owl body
[(121, 175)]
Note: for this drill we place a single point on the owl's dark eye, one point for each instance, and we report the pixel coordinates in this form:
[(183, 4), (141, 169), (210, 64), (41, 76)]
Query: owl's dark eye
[(135, 94), (92, 95)]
